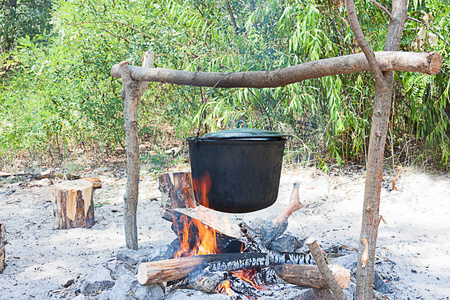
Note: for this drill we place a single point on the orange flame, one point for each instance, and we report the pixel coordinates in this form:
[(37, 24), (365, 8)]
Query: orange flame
[(206, 238), (225, 288), (202, 187), (248, 275)]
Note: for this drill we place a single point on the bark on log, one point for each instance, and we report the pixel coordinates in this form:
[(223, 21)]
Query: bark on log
[(178, 268), (310, 276), (428, 63), (73, 204), (176, 190), (3, 242), (324, 270)]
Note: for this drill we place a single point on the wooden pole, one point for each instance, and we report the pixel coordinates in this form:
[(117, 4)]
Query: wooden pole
[(428, 63), (384, 82), (131, 94)]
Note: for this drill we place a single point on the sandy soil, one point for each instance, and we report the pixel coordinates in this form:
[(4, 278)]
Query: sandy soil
[(415, 237)]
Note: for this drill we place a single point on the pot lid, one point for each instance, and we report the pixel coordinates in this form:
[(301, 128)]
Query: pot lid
[(240, 133)]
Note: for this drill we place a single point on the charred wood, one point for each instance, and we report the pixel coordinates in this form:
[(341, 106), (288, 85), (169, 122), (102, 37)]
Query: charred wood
[(178, 268), (204, 281)]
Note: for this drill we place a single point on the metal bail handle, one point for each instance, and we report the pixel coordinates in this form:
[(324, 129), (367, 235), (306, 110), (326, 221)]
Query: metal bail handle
[(241, 122), (206, 101)]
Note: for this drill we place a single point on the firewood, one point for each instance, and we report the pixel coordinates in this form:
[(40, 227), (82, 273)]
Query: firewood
[(3, 242), (73, 204), (225, 243), (178, 268), (324, 270), (176, 190), (310, 276)]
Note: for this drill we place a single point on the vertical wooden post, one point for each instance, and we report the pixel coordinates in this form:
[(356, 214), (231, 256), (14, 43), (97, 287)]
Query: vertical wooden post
[(131, 94), (380, 119)]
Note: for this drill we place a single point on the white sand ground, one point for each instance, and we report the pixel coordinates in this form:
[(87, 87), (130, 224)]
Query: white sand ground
[(416, 235)]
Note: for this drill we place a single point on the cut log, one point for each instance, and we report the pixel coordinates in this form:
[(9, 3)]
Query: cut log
[(179, 268), (310, 276), (3, 242), (73, 204), (176, 190), (225, 243)]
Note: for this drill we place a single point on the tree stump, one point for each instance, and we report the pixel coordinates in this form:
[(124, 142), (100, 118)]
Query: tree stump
[(73, 204), (176, 190), (3, 242)]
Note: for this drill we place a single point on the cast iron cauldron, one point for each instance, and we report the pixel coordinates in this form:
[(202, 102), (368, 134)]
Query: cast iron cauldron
[(237, 170)]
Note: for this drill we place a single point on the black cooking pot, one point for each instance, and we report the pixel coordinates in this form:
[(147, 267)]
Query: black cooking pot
[(237, 170)]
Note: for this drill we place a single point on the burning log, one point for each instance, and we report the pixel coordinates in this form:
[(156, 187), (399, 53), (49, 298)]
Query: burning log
[(224, 243), (3, 242), (310, 276), (179, 268), (176, 190)]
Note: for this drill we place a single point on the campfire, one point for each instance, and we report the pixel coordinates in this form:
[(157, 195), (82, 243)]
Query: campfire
[(245, 265)]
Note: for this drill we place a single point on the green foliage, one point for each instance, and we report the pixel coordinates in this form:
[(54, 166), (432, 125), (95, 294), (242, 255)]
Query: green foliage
[(59, 94)]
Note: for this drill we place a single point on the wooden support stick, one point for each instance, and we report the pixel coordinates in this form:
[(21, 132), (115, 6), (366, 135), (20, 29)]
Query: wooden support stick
[(428, 63), (310, 276), (323, 268)]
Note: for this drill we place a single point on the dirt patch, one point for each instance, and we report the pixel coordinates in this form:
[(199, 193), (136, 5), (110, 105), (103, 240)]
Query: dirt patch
[(42, 263)]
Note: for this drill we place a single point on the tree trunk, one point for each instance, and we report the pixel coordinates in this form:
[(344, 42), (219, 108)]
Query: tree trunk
[(428, 63), (73, 204)]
